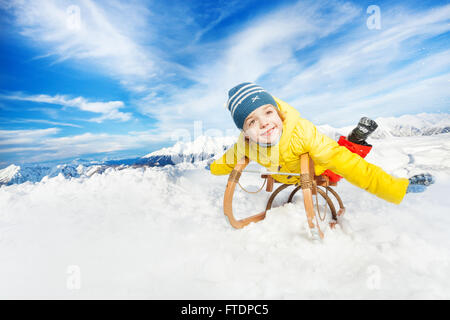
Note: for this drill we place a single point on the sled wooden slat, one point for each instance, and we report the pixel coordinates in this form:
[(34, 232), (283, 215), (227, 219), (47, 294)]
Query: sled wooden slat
[(269, 187), (309, 188)]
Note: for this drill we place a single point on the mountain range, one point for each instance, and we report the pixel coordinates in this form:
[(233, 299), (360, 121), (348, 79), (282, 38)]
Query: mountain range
[(206, 147)]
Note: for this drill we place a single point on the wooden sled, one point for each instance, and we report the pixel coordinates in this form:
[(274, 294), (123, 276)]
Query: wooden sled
[(309, 184)]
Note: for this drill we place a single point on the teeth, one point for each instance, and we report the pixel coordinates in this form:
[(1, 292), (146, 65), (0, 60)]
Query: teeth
[(265, 133)]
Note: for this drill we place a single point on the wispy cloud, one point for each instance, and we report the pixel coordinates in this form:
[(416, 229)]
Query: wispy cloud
[(249, 54), (108, 110), (11, 137), (356, 72), (386, 64), (105, 34), (42, 144), (269, 48), (341, 84), (44, 121)]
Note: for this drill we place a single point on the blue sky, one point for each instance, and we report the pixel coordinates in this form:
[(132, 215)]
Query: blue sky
[(117, 79)]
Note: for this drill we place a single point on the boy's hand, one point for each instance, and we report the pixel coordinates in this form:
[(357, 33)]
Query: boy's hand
[(208, 164), (420, 182)]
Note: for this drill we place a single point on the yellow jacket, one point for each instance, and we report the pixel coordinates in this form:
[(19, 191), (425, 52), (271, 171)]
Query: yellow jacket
[(299, 136)]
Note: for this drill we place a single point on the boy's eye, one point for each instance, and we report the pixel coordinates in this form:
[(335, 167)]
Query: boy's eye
[(270, 111), (251, 122)]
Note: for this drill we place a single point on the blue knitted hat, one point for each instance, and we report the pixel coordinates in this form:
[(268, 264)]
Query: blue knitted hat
[(244, 98)]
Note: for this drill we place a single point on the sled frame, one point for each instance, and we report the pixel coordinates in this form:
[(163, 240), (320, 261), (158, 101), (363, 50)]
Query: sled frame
[(309, 184)]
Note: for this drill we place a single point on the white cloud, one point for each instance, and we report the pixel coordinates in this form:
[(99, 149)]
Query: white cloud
[(109, 109), (54, 123), (42, 145), (385, 64), (10, 137), (381, 72), (251, 53), (133, 43), (394, 92), (107, 34)]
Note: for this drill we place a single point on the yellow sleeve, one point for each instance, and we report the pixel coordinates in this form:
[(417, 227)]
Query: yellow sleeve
[(329, 154), (226, 163)]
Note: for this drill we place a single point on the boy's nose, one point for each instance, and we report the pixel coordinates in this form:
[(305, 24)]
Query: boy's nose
[(264, 124)]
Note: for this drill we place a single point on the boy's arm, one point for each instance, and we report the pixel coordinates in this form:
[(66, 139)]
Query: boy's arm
[(329, 154), (226, 163)]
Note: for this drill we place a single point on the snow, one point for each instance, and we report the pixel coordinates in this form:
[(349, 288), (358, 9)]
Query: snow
[(160, 233), (8, 173)]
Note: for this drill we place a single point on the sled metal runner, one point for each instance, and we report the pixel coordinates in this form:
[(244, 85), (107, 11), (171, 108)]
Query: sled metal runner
[(310, 184)]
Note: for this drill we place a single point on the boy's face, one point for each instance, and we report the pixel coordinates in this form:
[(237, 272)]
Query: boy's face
[(263, 125)]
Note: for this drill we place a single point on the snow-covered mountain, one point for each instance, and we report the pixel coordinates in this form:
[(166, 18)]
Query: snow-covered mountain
[(205, 147), (16, 174), (202, 148), (423, 124), (9, 173)]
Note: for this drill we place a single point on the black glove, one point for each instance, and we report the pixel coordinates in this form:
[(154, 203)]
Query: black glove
[(364, 128)]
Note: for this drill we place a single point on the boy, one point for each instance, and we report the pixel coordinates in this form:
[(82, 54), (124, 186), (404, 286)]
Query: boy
[(274, 135)]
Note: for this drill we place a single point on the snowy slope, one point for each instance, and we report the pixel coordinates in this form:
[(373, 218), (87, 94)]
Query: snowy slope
[(159, 232)]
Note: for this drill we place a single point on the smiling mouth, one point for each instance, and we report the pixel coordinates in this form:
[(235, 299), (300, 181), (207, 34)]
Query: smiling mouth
[(268, 132)]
